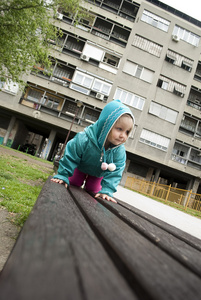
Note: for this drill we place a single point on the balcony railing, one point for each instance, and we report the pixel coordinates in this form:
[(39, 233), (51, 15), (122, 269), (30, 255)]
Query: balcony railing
[(194, 104)]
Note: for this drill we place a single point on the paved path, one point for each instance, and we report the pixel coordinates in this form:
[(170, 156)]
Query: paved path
[(170, 215)]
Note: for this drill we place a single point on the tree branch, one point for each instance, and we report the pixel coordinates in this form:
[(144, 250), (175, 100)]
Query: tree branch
[(2, 9)]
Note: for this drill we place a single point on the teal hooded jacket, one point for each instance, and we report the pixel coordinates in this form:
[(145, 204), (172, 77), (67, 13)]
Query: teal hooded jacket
[(86, 150)]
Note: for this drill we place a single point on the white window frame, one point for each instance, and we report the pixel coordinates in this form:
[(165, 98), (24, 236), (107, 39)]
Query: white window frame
[(155, 20), (129, 68), (147, 45), (179, 60), (79, 89), (142, 73), (154, 140), (165, 85), (93, 52), (186, 35), (129, 98), (82, 79), (104, 87), (172, 86), (9, 86), (163, 112)]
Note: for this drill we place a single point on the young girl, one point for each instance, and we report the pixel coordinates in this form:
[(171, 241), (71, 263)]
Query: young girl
[(97, 155)]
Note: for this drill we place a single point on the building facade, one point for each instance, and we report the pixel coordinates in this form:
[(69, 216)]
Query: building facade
[(144, 53)]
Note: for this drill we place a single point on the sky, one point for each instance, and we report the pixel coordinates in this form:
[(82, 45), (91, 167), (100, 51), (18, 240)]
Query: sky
[(191, 8)]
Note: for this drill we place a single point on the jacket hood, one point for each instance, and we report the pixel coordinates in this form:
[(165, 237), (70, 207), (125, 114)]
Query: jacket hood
[(109, 115)]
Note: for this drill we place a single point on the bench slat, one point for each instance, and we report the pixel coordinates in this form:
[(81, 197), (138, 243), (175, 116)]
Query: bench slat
[(180, 245), (182, 235), (75, 247), (57, 256), (150, 269)]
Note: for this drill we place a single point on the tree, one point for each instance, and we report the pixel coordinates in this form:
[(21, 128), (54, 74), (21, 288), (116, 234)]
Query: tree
[(25, 28)]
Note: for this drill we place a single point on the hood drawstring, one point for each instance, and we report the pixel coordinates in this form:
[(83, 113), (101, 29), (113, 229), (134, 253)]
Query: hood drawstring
[(104, 166)]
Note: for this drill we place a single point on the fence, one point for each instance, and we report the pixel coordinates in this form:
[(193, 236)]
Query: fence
[(185, 198)]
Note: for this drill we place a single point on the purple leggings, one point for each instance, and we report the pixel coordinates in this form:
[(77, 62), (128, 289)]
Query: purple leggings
[(92, 183)]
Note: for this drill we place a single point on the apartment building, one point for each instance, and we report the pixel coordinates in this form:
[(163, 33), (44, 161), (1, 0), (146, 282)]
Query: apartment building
[(145, 53)]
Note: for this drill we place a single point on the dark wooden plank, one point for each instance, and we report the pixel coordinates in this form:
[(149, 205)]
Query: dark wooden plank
[(149, 269), (58, 256), (170, 239), (178, 233)]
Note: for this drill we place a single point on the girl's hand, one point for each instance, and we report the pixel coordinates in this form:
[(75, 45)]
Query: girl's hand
[(105, 197), (59, 181)]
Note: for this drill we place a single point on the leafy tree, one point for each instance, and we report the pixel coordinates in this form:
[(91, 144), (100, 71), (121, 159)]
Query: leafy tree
[(25, 28)]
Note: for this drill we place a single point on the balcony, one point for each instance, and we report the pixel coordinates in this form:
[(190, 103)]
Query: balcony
[(194, 99), (126, 9), (101, 27), (197, 75), (187, 155), (59, 106)]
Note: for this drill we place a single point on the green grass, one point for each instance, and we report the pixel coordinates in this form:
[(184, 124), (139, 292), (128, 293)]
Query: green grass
[(20, 185)]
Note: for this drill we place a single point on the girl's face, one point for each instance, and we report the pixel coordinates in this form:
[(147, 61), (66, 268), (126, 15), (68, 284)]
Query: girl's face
[(120, 131)]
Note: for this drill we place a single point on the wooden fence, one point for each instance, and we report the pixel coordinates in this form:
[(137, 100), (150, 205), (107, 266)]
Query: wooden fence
[(185, 198)]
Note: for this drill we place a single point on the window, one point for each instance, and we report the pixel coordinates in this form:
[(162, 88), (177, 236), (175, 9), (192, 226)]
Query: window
[(171, 86), (87, 19), (180, 152), (82, 79), (102, 57), (62, 71), (155, 140), (50, 101), (138, 71), (194, 98), (41, 97), (130, 68), (9, 86), (129, 98), (111, 30), (179, 60), (178, 90), (186, 154), (163, 112), (70, 108), (93, 52), (147, 45), (170, 57), (155, 20), (86, 83), (186, 35), (163, 84), (91, 116), (79, 89), (34, 95), (124, 9), (186, 65), (73, 44), (101, 87), (191, 126), (111, 59)]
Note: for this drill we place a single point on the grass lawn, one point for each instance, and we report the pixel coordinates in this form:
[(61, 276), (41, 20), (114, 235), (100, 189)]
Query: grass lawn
[(21, 180)]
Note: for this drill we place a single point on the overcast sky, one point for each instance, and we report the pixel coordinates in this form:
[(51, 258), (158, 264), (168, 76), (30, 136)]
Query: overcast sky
[(191, 8)]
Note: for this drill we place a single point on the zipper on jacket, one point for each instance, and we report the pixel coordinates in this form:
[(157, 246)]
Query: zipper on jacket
[(101, 158)]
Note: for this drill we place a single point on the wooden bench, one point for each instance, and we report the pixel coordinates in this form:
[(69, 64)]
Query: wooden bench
[(76, 247)]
